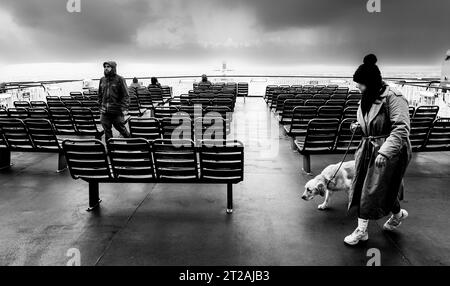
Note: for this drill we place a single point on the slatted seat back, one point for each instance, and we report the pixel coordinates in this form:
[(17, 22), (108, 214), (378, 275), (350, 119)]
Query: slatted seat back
[(94, 107), (354, 96), (191, 111), (210, 128), (20, 113), (427, 112), (166, 92), (65, 98), (86, 159), (15, 134), (22, 104), (92, 97), (175, 159), (420, 127), (275, 98), (300, 119), (131, 158), (72, 104), (335, 102), (84, 120), (202, 102), (178, 127), (226, 102), (55, 104), (315, 102), (207, 95), (222, 111), (341, 90), (327, 91), (38, 113), (242, 88), (288, 109), (38, 104), (134, 108), (350, 112), (3, 113), (320, 135), (62, 120), (269, 92), (145, 99), (164, 111), (352, 102), (222, 160), (281, 100), (148, 128), (339, 96), (345, 134), (304, 96), (134, 103), (324, 96), (330, 112), (439, 137), (52, 98), (156, 95), (76, 95), (42, 134)]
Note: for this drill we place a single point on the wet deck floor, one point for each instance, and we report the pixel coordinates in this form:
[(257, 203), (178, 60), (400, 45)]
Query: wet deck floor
[(43, 213)]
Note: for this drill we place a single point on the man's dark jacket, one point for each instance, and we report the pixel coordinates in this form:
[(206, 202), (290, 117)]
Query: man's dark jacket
[(113, 94)]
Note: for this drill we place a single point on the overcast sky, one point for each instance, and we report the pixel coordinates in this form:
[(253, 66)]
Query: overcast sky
[(262, 32)]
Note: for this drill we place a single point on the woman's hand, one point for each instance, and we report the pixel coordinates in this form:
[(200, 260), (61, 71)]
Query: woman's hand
[(380, 161)]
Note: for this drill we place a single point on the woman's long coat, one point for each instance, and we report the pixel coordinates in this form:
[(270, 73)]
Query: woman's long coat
[(386, 131)]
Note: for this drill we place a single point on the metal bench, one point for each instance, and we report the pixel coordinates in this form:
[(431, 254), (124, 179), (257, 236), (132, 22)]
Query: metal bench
[(136, 160)]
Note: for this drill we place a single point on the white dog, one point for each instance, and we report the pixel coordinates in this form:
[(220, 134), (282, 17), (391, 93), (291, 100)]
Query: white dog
[(321, 184)]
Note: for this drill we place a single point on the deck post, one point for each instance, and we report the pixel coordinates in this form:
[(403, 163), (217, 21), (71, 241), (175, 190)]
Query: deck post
[(94, 199), (229, 198), (62, 164), (5, 158), (307, 163)]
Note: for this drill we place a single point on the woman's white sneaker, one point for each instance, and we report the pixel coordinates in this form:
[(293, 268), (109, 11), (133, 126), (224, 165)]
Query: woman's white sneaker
[(393, 223), (357, 236)]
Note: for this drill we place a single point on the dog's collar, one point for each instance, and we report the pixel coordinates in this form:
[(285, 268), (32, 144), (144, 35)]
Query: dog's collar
[(327, 182)]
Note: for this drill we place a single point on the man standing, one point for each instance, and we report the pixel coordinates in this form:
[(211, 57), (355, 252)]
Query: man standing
[(114, 100)]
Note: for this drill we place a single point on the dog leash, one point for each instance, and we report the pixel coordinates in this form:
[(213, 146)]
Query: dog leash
[(343, 158)]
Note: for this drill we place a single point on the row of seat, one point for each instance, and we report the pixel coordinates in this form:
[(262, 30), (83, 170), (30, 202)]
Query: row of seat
[(77, 121), (40, 135), (297, 123), (284, 110), (328, 136), (278, 100), (161, 161)]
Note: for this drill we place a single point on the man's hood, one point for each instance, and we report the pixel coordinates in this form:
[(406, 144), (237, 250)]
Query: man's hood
[(113, 64)]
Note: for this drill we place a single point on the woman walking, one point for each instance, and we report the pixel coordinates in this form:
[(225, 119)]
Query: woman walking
[(383, 155)]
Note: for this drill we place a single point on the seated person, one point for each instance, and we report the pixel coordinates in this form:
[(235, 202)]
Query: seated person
[(135, 83), (205, 82), (154, 83)]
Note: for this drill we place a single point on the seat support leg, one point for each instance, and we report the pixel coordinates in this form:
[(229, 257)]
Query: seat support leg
[(229, 198), (5, 158), (307, 163), (62, 164), (94, 198)]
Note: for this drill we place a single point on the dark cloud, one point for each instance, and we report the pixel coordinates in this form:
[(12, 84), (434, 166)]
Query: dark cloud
[(283, 31)]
